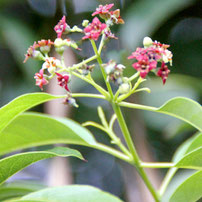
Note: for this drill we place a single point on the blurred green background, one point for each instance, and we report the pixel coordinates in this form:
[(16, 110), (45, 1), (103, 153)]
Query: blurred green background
[(174, 22)]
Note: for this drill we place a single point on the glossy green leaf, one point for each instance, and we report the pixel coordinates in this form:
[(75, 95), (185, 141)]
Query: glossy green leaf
[(18, 189), (190, 190), (195, 143), (180, 107), (21, 104), (72, 193), (184, 109), (12, 164), (145, 16), (192, 160), (34, 129)]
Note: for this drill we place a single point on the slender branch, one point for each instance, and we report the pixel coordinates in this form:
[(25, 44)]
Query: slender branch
[(102, 69), (111, 151), (171, 172), (99, 88), (88, 95), (134, 76), (137, 106), (111, 122), (157, 165)]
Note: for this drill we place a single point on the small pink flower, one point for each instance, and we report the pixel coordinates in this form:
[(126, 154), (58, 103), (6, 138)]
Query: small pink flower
[(61, 27), (94, 29), (144, 66), (63, 80), (163, 72), (116, 17), (109, 34), (40, 80), (44, 42), (31, 51), (102, 10)]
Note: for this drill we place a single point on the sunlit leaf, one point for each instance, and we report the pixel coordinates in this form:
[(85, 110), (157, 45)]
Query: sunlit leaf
[(31, 129), (191, 160), (21, 104), (12, 164), (182, 108), (189, 190), (73, 193)]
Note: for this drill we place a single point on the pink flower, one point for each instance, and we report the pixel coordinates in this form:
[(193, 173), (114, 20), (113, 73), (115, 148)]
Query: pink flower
[(44, 42), (109, 34), (31, 52), (144, 66), (116, 18), (163, 72), (94, 29), (102, 10), (63, 80), (40, 80), (61, 27)]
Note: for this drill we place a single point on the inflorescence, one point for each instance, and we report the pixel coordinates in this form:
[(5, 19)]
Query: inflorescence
[(153, 57)]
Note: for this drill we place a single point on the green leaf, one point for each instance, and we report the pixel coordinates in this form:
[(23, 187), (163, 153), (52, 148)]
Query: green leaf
[(180, 107), (18, 189), (195, 143), (21, 104), (189, 190), (184, 109), (12, 164), (72, 193), (188, 146), (192, 160), (33, 129)]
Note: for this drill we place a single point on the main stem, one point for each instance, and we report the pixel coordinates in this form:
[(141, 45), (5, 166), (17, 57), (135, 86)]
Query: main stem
[(136, 161)]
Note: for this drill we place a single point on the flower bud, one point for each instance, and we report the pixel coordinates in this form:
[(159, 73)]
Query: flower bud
[(37, 55), (85, 23), (60, 50), (147, 41), (76, 29), (58, 42), (71, 101), (124, 88), (45, 49)]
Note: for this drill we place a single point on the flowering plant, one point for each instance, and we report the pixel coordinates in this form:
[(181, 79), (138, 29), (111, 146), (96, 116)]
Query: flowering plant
[(152, 57)]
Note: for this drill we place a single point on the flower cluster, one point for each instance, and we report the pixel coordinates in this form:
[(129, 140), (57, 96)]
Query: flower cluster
[(94, 29), (110, 16), (149, 57)]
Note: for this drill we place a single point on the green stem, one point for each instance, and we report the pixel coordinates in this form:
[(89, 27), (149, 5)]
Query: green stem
[(88, 95), (137, 106), (157, 165), (136, 160), (134, 76), (99, 88), (111, 151), (171, 172), (102, 69)]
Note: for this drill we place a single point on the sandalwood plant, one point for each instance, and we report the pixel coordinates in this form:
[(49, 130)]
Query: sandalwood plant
[(19, 130)]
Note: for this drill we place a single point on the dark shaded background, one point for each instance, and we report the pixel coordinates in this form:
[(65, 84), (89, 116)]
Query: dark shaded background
[(175, 22)]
